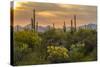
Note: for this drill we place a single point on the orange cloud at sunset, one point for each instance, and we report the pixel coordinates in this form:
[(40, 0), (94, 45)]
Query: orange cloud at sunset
[(48, 13)]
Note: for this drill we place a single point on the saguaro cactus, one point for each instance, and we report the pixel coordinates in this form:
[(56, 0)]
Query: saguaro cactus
[(75, 21), (64, 27), (32, 23), (71, 26), (33, 20), (53, 26), (37, 26)]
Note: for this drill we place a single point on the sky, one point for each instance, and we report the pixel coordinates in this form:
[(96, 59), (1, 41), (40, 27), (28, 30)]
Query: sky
[(49, 13)]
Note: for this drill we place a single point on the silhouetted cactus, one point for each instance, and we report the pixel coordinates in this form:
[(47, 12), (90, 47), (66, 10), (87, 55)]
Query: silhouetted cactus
[(37, 26), (53, 26), (33, 21), (34, 18), (64, 27), (71, 26), (75, 22)]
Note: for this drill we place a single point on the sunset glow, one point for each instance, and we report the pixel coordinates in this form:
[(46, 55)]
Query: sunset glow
[(48, 13)]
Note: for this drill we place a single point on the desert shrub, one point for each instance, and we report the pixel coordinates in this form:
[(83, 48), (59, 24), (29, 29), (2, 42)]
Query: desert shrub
[(57, 54), (26, 42), (76, 52), (28, 37)]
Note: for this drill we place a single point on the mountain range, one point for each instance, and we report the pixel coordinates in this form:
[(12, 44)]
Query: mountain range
[(42, 29)]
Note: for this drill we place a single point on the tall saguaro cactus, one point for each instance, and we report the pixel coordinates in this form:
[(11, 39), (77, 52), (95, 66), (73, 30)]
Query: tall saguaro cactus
[(33, 20), (64, 27), (71, 26), (75, 21)]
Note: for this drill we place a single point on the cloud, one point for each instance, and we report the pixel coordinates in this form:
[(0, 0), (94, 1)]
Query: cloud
[(48, 13)]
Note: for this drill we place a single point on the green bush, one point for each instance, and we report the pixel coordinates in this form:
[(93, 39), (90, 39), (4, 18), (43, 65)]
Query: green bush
[(57, 54), (54, 46), (26, 42), (30, 38), (76, 52)]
